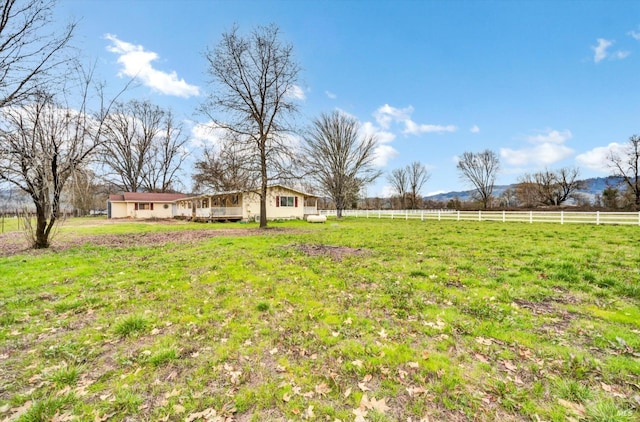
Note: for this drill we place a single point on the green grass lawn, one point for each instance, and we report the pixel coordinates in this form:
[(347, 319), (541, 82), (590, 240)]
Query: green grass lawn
[(353, 320)]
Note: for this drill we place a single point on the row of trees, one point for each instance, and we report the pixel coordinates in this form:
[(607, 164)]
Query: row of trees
[(551, 187)]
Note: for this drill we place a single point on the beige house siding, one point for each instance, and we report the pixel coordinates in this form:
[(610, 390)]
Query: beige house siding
[(119, 210), (128, 210)]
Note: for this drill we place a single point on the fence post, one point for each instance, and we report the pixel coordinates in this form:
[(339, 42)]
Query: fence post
[(597, 218), (422, 216), (458, 215), (438, 215), (531, 217), (479, 215), (406, 214), (379, 213), (561, 217)]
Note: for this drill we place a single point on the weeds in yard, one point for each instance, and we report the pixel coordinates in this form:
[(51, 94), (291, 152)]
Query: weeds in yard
[(131, 325)]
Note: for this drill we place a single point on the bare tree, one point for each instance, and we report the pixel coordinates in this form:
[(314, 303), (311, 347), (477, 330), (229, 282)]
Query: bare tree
[(43, 143), (400, 184), (84, 191), (418, 175), (253, 81), (223, 169), (626, 164), (168, 153), (29, 51), (480, 169), (143, 147), (553, 188), (339, 157)]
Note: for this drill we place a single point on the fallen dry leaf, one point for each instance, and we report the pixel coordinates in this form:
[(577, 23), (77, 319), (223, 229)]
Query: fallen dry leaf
[(378, 405), (362, 386), (360, 415), (322, 389), (576, 408)]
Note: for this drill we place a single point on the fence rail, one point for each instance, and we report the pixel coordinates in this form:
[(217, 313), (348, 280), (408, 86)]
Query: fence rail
[(562, 217)]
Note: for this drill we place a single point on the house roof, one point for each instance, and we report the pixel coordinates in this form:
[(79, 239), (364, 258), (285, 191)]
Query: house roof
[(254, 190), (146, 197)]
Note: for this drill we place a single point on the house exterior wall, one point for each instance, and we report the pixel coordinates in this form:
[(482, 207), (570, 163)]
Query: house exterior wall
[(251, 204), (128, 210), (119, 210)]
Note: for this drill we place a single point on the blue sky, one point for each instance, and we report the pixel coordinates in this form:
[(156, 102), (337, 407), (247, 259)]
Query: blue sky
[(543, 83)]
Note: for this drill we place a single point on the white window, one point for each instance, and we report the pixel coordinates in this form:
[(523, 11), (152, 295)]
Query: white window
[(287, 201)]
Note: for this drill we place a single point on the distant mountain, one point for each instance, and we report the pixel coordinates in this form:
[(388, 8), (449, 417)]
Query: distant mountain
[(593, 187)]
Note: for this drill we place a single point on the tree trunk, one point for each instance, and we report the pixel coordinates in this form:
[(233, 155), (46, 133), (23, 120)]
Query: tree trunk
[(41, 238), (264, 182)]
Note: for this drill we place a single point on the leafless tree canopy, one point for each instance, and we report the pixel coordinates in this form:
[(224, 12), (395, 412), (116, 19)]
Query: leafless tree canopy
[(223, 169), (627, 166), (143, 147), (480, 169), (550, 187), (339, 158), (400, 184), (407, 182), (418, 176), (253, 81), (29, 51), (43, 143)]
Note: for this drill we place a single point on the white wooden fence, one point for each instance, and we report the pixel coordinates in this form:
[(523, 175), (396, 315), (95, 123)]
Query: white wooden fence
[(562, 217)]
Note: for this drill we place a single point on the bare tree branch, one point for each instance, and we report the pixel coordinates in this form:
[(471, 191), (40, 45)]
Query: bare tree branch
[(28, 50)]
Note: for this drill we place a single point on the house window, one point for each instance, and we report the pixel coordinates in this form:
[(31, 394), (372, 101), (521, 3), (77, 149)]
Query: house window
[(205, 203), (144, 206), (287, 201)]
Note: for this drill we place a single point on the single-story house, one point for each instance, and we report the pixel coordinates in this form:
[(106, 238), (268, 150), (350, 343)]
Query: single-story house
[(282, 203), (142, 205)]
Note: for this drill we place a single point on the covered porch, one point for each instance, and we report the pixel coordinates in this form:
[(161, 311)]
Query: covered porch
[(218, 207)]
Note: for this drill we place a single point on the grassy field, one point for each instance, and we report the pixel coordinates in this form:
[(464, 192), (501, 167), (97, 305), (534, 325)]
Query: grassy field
[(353, 320)]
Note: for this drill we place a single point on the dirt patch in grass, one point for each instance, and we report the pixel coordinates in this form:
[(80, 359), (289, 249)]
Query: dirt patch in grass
[(14, 243), (336, 253)]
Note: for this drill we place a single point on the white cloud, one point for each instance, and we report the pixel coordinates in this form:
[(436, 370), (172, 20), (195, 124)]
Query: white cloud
[(415, 129), (137, 63), (601, 51), (542, 154), (330, 95), (203, 134), (619, 55), (383, 137), (297, 93), (386, 115), (383, 154), (596, 159), (551, 136), (474, 129), (635, 35), (548, 148)]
